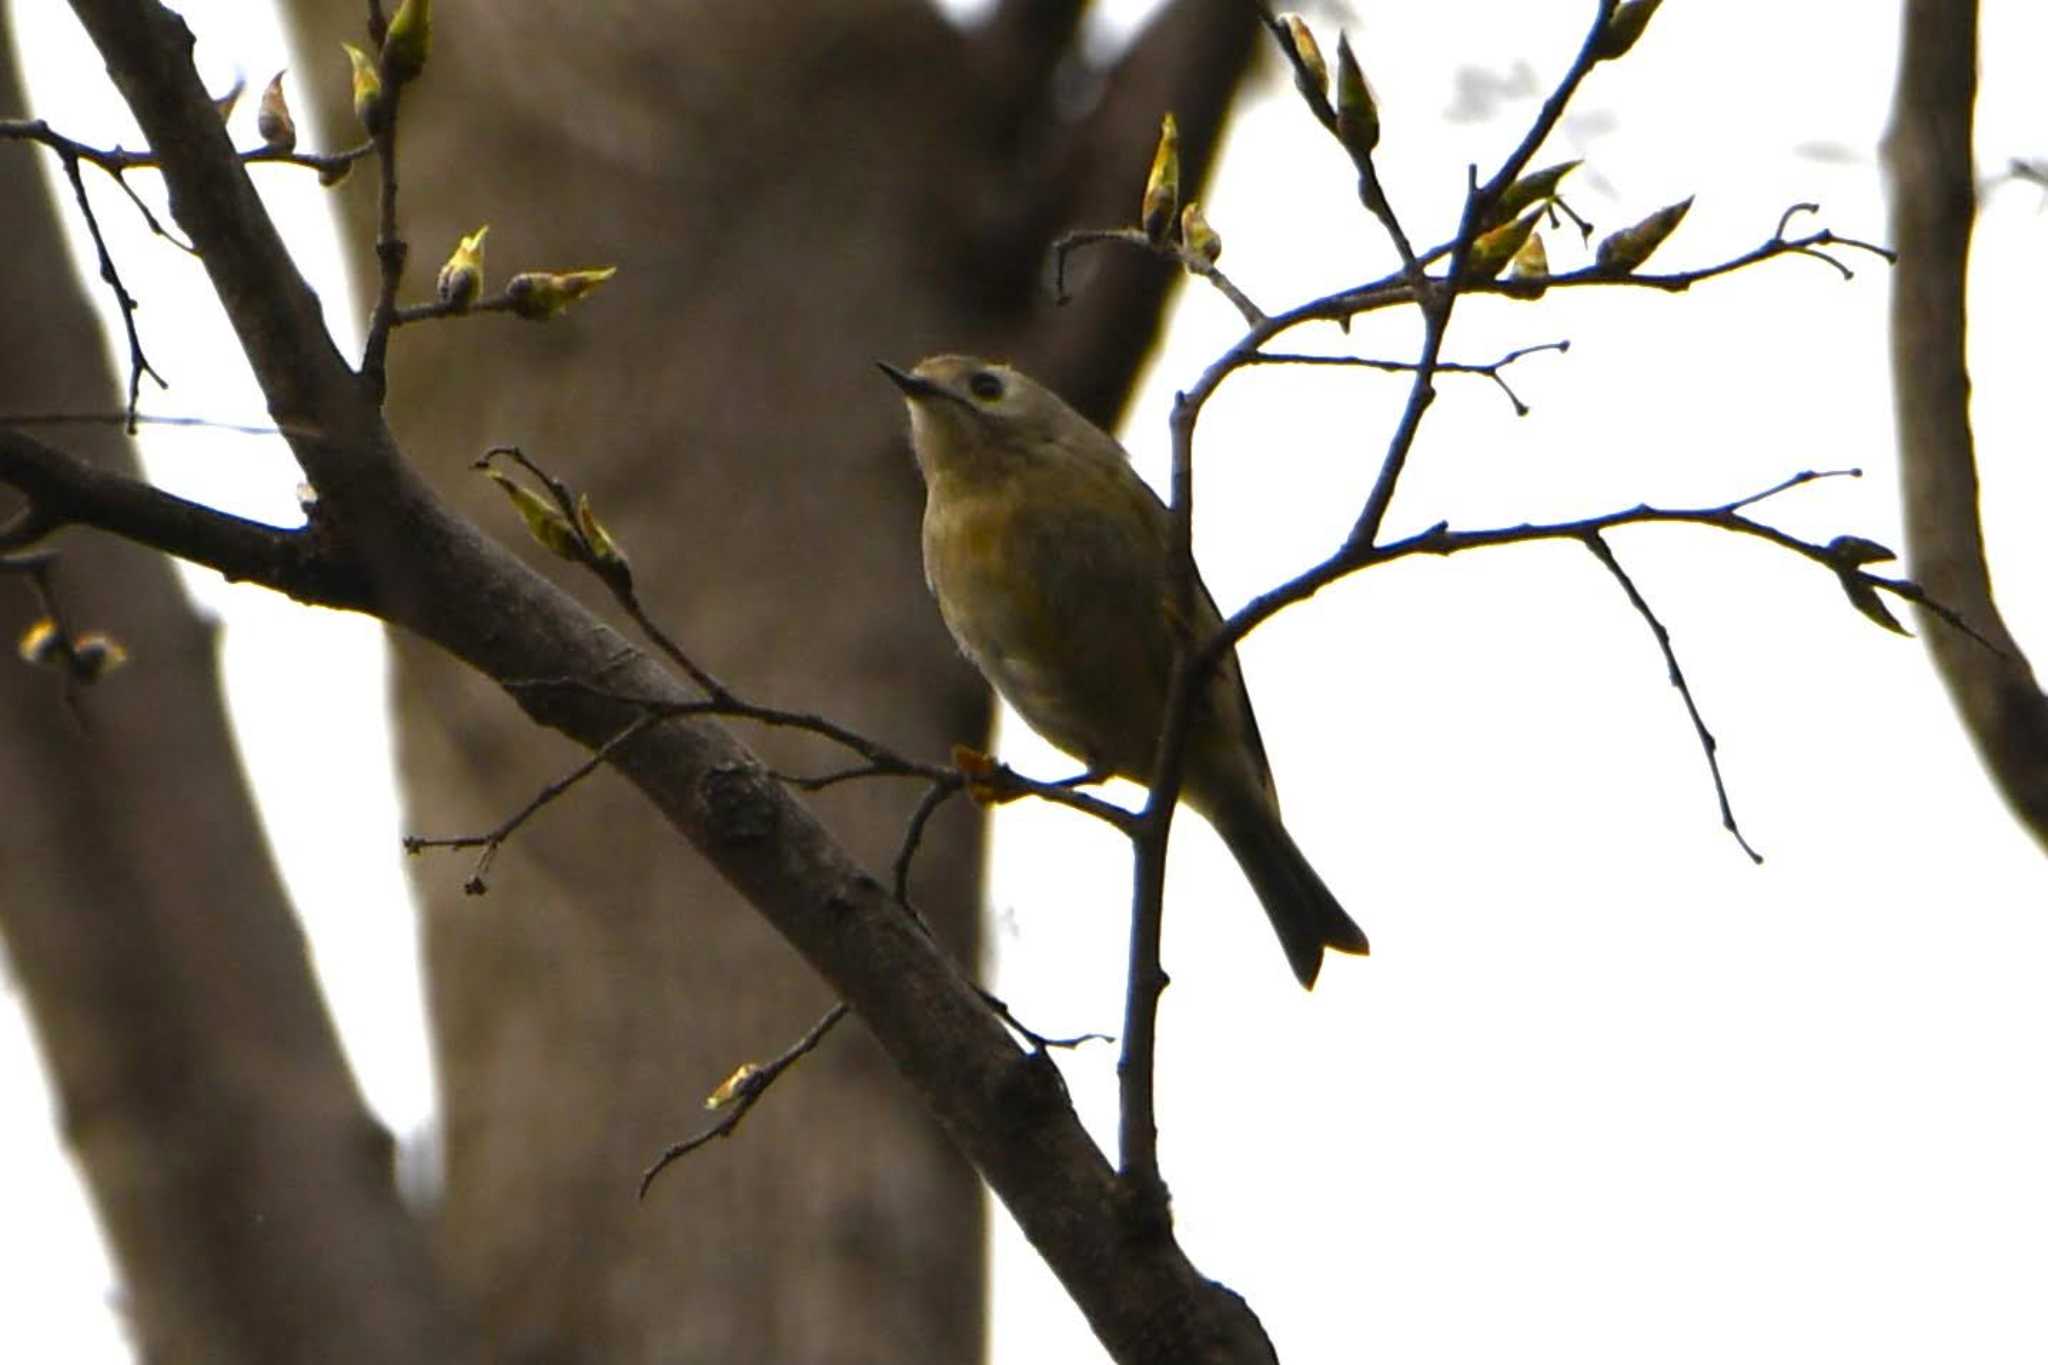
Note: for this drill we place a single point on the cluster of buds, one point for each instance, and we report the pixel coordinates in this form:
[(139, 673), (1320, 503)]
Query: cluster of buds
[(579, 540), (1356, 118), (1159, 210), (535, 295), (84, 658), (408, 39)]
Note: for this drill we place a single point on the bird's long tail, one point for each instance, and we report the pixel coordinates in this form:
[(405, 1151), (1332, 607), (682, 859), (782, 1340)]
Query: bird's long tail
[(1305, 915)]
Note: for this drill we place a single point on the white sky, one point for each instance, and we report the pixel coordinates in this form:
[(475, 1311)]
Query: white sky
[(1605, 1091)]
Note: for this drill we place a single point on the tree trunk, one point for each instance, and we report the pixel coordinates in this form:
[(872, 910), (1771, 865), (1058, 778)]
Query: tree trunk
[(246, 1192), (1927, 155)]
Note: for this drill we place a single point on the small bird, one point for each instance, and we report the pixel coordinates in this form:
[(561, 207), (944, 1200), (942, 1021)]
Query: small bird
[(1050, 561)]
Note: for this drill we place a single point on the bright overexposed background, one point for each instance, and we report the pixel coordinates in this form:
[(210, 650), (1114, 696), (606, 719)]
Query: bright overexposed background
[(1605, 1091)]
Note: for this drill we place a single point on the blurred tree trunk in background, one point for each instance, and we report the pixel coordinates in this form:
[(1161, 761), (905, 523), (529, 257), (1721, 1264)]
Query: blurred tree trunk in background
[(790, 192), (1929, 164), (246, 1192)]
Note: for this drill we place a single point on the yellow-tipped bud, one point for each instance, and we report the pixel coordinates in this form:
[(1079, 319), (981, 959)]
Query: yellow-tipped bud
[(1537, 187), (41, 644), (538, 295), (1162, 186), (88, 658), (274, 118), (1491, 251), (603, 549), (408, 40), (1358, 118), (1623, 29), (366, 88), (462, 274), (733, 1086), (544, 521), (1197, 235), (1627, 249), (1313, 72), (94, 655), (1532, 264)]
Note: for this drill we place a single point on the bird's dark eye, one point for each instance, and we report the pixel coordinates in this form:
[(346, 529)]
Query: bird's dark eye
[(986, 386)]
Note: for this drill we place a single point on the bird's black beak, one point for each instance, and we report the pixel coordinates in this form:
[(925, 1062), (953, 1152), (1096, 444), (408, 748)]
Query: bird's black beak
[(913, 386)]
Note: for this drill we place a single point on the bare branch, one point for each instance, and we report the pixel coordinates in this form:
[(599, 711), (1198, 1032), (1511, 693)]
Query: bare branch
[(138, 363), (494, 839), (63, 490), (1170, 249), (117, 162), (1598, 545), (742, 1091)]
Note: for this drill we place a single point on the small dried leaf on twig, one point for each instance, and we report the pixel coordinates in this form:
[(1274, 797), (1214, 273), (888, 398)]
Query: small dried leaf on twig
[(274, 118)]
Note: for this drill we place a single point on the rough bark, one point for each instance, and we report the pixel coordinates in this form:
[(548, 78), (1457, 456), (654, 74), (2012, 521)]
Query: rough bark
[(246, 1192), (1927, 156)]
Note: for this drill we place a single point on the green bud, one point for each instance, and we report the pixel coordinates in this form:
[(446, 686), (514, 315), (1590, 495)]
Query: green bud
[(1162, 186), (1625, 251)]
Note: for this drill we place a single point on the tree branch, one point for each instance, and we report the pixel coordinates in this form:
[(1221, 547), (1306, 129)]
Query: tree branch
[(63, 490)]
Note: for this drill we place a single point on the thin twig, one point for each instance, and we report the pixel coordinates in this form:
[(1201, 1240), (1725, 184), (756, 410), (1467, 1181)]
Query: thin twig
[(1553, 108), (1490, 371), (928, 805), (1370, 192), (494, 839), (117, 162), (742, 1092), (1170, 250), (1595, 542), (391, 248), (138, 363)]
